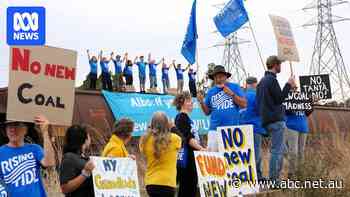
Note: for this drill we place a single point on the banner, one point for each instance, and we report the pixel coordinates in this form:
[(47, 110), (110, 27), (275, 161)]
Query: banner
[(287, 49), (189, 45), (232, 17), (318, 87), (41, 82), (140, 108), (297, 101), (115, 177), (236, 143), (211, 171)]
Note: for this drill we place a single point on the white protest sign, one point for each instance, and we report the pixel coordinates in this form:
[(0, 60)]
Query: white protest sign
[(115, 177), (236, 143)]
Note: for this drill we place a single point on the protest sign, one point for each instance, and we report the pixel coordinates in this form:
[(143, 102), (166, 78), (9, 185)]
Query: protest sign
[(115, 177), (140, 108), (211, 171), (297, 101), (236, 143), (318, 87), (287, 49), (41, 82)]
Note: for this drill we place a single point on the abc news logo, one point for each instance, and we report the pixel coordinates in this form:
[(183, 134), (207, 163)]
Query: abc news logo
[(26, 26)]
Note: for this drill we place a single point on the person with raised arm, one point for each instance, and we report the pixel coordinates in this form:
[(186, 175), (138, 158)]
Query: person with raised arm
[(141, 64), (118, 73), (106, 76), (93, 70)]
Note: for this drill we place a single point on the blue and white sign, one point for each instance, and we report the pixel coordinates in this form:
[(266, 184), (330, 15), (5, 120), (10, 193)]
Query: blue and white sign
[(26, 26), (140, 108)]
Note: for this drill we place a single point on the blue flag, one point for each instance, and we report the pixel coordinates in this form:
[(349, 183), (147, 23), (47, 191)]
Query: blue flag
[(231, 17), (189, 45)]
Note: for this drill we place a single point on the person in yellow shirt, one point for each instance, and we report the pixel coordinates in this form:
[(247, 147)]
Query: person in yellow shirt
[(160, 148), (120, 138)]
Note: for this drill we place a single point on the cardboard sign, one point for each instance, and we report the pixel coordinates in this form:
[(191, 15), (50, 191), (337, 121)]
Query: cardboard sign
[(115, 177), (211, 171), (287, 49), (318, 87), (298, 101), (236, 143), (41, 82)]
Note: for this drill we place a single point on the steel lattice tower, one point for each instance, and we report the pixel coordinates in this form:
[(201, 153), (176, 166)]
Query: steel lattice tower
[(327, 57)]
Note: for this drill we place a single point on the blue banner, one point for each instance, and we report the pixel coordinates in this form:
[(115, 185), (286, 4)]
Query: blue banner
[(140, 108), (189, 45), (231, 17)]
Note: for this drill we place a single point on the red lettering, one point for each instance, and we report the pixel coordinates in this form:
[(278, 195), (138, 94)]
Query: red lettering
[(20, 60), (35, 67), (59, 71), (70, 73), (50, 70)]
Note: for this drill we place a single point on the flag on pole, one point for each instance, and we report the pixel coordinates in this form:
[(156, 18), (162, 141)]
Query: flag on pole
[(231, 17), (189, 45)]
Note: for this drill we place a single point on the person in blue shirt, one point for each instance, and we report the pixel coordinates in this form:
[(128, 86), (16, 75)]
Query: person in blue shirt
[(222, 102), (21, 163), (165, 76), (141, 64), (296, 135), (179, 76), (93, 70), (152, 66), (192, 81), (106, 76), (118, 73), (250, 115)]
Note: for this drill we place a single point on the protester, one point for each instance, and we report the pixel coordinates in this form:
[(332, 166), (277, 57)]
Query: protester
[(222, 103), (128, 73), (250, 115), (106, 76), (165, 77), (118, 70), (152, 66), (142, 73), (296, 139), (93, 70), (180, 77), (76, 168), (160, 148), (21, 163), (269, 100), (187, 173), (192, 82), (120, 138)]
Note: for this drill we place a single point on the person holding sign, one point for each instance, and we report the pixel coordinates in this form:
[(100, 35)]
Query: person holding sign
[(76, 168), (251, 116), (120, 137), (190, 139), (269, 101), (106, 76), (93, 70), (21, 163), (160, 148), (222, 103)]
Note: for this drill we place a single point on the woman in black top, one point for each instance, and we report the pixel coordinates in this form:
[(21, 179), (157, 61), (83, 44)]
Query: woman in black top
[(187, 176), (76, 169)]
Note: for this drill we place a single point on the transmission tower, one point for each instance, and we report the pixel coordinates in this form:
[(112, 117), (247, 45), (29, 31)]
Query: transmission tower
[(327, 58)]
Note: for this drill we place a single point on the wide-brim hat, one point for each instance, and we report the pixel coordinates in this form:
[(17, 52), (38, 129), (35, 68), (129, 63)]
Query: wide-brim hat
[(218, 69), (7, 122)]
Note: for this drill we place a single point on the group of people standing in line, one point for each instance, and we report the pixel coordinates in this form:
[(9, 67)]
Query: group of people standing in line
[(259, 104), (124, 77)]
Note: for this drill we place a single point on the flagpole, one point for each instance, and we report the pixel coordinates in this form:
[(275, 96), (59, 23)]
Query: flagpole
[(256, 44)]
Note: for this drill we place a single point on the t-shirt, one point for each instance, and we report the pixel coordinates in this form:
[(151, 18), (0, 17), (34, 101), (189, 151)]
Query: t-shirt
[(3, 192), (93, 66), (117, 66), (128, 70), (192, 76), (165, 73), (161, 171), (115, 148), (104, 66), (20, 170), (223, 111), (152, 69), (142, 68), (250, 115), (71, 166), (179, 73), (297, 121)]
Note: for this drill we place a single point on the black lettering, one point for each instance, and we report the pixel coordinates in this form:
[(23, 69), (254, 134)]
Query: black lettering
[(20, 93)]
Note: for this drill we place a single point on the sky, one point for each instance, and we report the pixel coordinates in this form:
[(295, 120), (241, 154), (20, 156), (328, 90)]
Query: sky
[(140, 27)]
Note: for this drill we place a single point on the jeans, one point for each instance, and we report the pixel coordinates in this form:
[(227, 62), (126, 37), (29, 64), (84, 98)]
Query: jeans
[(193, 89), (142, 79), (93, 79), (153, 81), (295, 145), (180, 85), (107, 82), (277, 131), (166, 85), (257, 149)]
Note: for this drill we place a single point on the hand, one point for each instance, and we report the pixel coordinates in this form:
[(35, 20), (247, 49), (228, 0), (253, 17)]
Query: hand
[(291, 81), (200, 97), (87, 50), (171, 124), (228, 91), (112, 53), (173, 61), (203, 149), (42, 122), (133, 157), (126, 54), (89, 167)]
